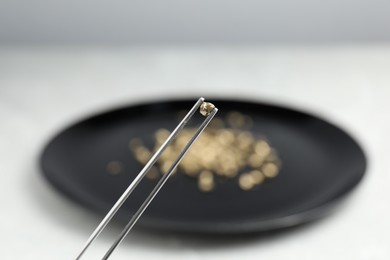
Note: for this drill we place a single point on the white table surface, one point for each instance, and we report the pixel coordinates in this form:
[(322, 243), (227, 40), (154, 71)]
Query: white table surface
[(43, 90)]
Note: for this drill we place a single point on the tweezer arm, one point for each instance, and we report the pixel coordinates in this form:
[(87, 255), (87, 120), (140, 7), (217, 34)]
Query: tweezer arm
[(159, 185), (139, 177)]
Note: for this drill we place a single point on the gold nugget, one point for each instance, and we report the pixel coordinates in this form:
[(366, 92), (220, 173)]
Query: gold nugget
[(270, 170), (223, 151), (246, 181), (114, 167), (206, 181), (206, 108), (153, 174)]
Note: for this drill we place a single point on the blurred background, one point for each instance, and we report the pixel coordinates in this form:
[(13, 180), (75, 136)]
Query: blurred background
[(63, 60), (175, 22)]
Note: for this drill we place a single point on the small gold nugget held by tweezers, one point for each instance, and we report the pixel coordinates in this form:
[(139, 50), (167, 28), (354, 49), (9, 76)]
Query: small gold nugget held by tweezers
[(206, 109)]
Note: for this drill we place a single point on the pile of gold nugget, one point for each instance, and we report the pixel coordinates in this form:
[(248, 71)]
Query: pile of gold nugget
[(226, 150)]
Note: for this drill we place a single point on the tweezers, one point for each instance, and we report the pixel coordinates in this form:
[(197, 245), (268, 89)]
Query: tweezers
[(209, 116)]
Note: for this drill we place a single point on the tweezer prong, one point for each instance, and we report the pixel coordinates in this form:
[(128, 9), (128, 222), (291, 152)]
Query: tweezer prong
[(142, 174), (160, 183)]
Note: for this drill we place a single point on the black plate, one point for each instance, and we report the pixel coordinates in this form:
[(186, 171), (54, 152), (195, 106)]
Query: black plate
[(321, 163)]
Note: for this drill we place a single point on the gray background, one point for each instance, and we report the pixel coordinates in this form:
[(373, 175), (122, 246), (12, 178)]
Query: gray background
[(117, 22)]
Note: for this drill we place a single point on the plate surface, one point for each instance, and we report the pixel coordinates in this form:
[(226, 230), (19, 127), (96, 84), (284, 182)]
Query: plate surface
[(320, 164)]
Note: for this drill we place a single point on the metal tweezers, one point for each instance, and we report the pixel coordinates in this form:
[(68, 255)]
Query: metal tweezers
[(142, 174)]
